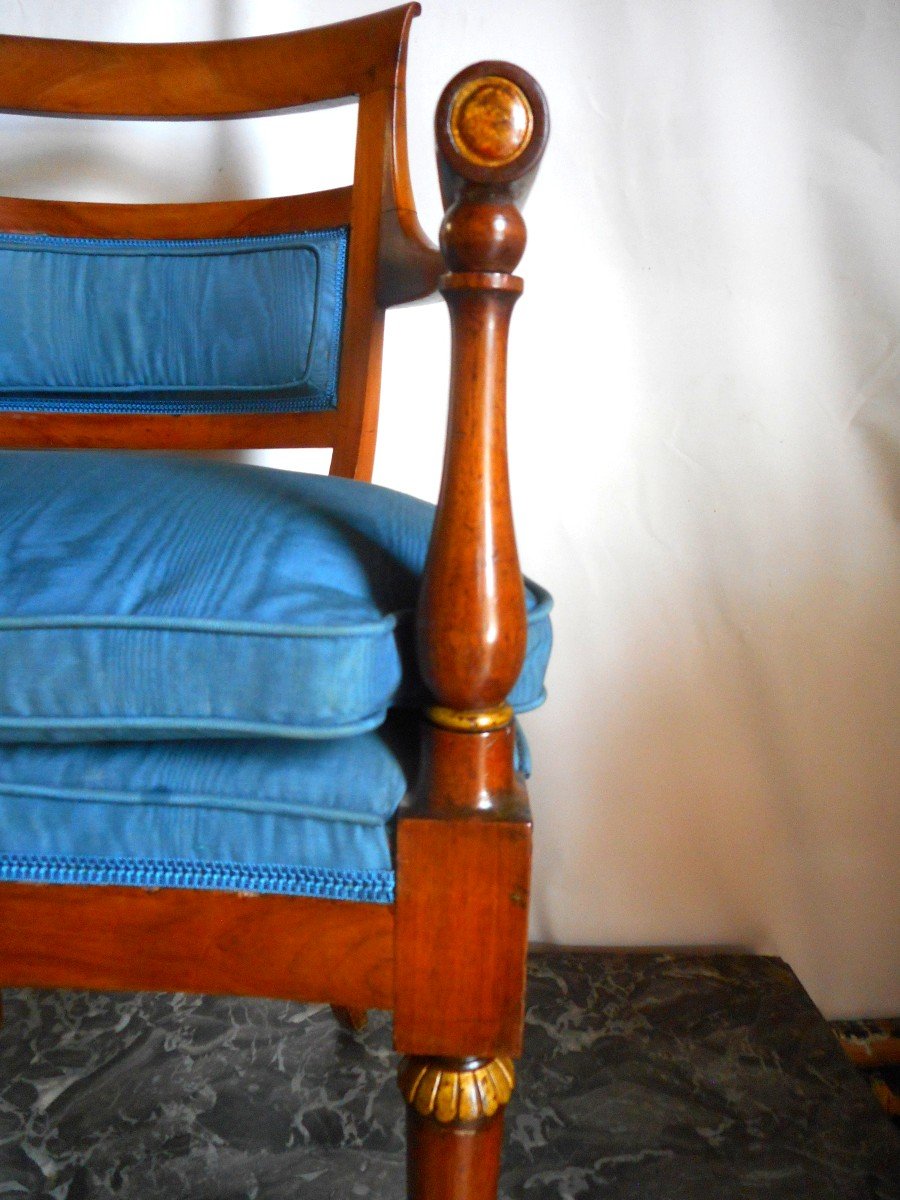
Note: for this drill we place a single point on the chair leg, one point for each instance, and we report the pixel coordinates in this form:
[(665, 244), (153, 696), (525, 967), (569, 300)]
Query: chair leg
[(353, 1019), (454, 1126)]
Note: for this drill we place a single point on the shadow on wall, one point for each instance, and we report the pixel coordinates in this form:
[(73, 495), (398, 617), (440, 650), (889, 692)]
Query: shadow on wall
[(717, 760), (62, 159), (53, 159), (738, 793)]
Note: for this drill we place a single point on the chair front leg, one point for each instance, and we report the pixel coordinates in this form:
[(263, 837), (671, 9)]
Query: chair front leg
[(464, 843), (455, 1125), (463, 877)]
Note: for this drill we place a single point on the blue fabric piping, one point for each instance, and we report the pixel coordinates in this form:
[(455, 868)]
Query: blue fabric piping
[(259, 399), (212, 406), (245, 804), (62, 244), (541, 605), (217, 625), (210, 726), (373, 887)]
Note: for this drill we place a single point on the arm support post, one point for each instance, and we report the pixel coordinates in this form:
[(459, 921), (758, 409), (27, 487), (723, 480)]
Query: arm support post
[(491, 130), (466, 832)]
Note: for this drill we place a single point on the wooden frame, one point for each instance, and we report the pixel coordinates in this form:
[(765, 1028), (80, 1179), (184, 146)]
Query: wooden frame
[(448, 956)]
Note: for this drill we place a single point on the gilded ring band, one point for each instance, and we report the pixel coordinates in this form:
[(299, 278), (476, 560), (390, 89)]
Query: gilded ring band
[(470, 721)]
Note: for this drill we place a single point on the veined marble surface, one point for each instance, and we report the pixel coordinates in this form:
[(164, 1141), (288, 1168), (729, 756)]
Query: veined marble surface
[(650, 1076)]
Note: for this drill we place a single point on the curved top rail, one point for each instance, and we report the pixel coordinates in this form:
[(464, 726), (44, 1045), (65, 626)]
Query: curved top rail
[(204, 80)]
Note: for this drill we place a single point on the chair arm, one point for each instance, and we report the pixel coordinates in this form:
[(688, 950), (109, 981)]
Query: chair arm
[(492, 125), (409, 263)]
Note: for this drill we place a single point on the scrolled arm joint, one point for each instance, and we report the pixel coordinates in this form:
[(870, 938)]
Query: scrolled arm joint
[(491, 127)]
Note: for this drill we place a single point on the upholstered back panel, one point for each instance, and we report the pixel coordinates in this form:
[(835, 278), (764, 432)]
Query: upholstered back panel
[(218, 326), (209, 325)]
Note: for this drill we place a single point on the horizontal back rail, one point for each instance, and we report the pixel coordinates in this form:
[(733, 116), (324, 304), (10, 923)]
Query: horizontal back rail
[(202, 80)]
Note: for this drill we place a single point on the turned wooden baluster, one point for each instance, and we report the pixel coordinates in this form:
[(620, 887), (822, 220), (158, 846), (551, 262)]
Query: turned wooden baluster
[(459, 1010), (491, 127)]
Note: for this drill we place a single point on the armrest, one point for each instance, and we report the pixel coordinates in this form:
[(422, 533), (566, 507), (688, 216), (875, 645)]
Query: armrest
[(492, 125)]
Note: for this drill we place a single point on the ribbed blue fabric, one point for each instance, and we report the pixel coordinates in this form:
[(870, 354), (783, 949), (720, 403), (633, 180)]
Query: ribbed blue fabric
[(306, 817), (164, 597), (375, 887), (209, 325), (263, 815)]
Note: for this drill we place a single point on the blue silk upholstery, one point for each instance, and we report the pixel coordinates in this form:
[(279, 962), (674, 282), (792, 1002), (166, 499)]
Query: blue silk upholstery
[(260, 814), (197, 658), (308, 818), (158, 596), (208, 325)]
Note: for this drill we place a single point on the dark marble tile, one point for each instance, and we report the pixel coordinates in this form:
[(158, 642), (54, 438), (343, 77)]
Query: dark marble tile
[(651, 1076)]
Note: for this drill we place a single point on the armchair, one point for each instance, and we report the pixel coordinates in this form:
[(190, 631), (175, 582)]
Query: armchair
[(231, 759)]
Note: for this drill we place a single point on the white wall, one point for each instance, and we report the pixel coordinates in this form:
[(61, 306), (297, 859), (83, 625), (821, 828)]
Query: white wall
[(704, 428)]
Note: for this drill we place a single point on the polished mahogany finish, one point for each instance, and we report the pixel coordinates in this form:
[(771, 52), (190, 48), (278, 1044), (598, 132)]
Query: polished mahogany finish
[(219, 218), (168, 939), (452, 1163), (461, 936), (390, 259), (202, 80), (471, 615), (471, 775)]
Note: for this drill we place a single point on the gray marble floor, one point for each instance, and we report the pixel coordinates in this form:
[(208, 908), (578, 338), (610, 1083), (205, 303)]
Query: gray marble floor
[(651, 1076)]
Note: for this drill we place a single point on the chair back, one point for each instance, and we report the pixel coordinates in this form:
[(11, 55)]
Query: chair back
[(233, 324)]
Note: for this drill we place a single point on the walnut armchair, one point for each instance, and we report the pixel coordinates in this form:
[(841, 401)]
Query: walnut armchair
[(133, 683)]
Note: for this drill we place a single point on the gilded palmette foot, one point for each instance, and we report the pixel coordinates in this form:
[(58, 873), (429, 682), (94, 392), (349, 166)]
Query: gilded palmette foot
[(454, 1091)]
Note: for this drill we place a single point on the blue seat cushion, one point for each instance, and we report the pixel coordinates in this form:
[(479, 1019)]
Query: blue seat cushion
[(297, 817), (255, 814), (166, 597)]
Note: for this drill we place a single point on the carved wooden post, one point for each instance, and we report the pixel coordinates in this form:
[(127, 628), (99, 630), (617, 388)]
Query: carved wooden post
[(460, 972)]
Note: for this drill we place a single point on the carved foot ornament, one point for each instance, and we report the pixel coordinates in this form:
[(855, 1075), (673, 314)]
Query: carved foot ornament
[(456, 1092)]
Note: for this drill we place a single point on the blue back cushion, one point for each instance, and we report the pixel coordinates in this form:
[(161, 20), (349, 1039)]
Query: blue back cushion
[(213, 325)]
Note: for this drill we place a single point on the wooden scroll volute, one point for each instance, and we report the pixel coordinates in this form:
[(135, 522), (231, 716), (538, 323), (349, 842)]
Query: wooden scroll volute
[(491, 130)]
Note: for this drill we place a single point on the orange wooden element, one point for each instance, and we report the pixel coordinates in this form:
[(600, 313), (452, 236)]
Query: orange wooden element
[(169, 939), (471, 614), (203, 80), (462, 932), (390, 259), (452, 1163), (480, 137), (467, 774), (193, 431), (463, 879), (220, 218), (472, 605)]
